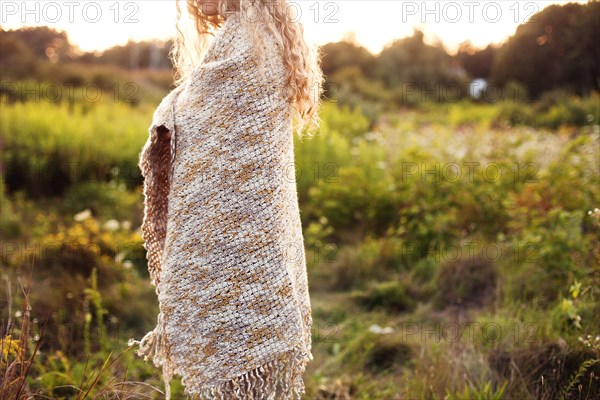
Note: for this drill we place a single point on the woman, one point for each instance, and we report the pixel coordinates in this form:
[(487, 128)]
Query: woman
[(221, 224)]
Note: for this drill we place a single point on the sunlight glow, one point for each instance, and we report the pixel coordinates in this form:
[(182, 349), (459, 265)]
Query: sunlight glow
[(97, 25)]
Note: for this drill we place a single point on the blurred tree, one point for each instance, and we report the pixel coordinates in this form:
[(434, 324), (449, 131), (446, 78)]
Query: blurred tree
[(17, 61), (136, 55), (412, 60), (477, 62), (347, 54), (42, 42), (558, 48)]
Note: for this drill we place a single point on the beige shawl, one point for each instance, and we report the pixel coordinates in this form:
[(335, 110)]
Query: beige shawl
[(222, 229)]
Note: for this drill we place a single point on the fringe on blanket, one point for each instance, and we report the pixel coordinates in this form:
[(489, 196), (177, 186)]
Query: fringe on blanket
[(154, 345), (278, 379)]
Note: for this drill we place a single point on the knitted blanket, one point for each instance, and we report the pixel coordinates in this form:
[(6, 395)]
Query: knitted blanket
[(222, 229)]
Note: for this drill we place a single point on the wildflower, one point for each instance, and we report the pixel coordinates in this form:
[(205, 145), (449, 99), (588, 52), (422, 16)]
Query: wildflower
[(378, 329), (111, 225), (9, 347), (82, 216)]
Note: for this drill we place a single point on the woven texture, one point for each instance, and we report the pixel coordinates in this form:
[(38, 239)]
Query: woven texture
[(222, 229)]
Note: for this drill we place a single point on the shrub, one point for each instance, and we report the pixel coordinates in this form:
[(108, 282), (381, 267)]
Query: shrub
[(9, 221), (555, 252), (105, 200), (467, 282), (556, 362), (389, 351), (48, 147), (393, 297), (353, 266)]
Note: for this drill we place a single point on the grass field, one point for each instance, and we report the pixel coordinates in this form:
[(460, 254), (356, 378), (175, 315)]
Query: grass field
[(453, 251)]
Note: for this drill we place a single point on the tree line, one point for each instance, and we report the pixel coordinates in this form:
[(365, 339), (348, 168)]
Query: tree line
[(559, 49)]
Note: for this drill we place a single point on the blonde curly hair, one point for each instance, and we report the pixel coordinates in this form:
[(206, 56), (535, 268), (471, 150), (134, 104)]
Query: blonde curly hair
[(304, 77)]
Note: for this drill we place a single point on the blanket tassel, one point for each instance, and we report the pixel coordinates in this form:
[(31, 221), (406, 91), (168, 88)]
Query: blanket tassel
[(277, 379), (281, 378), (154, 345)]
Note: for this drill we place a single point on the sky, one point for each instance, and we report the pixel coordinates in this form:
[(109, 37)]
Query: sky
[(100, 24)]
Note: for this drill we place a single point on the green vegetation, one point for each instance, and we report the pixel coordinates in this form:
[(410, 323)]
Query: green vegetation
[(425, 223)]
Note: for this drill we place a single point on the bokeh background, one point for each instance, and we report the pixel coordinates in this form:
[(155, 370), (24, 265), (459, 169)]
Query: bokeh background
[(450, 201)]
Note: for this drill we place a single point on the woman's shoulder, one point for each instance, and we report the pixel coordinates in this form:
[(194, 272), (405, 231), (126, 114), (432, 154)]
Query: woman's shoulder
[(238, 55), (229, 40)]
